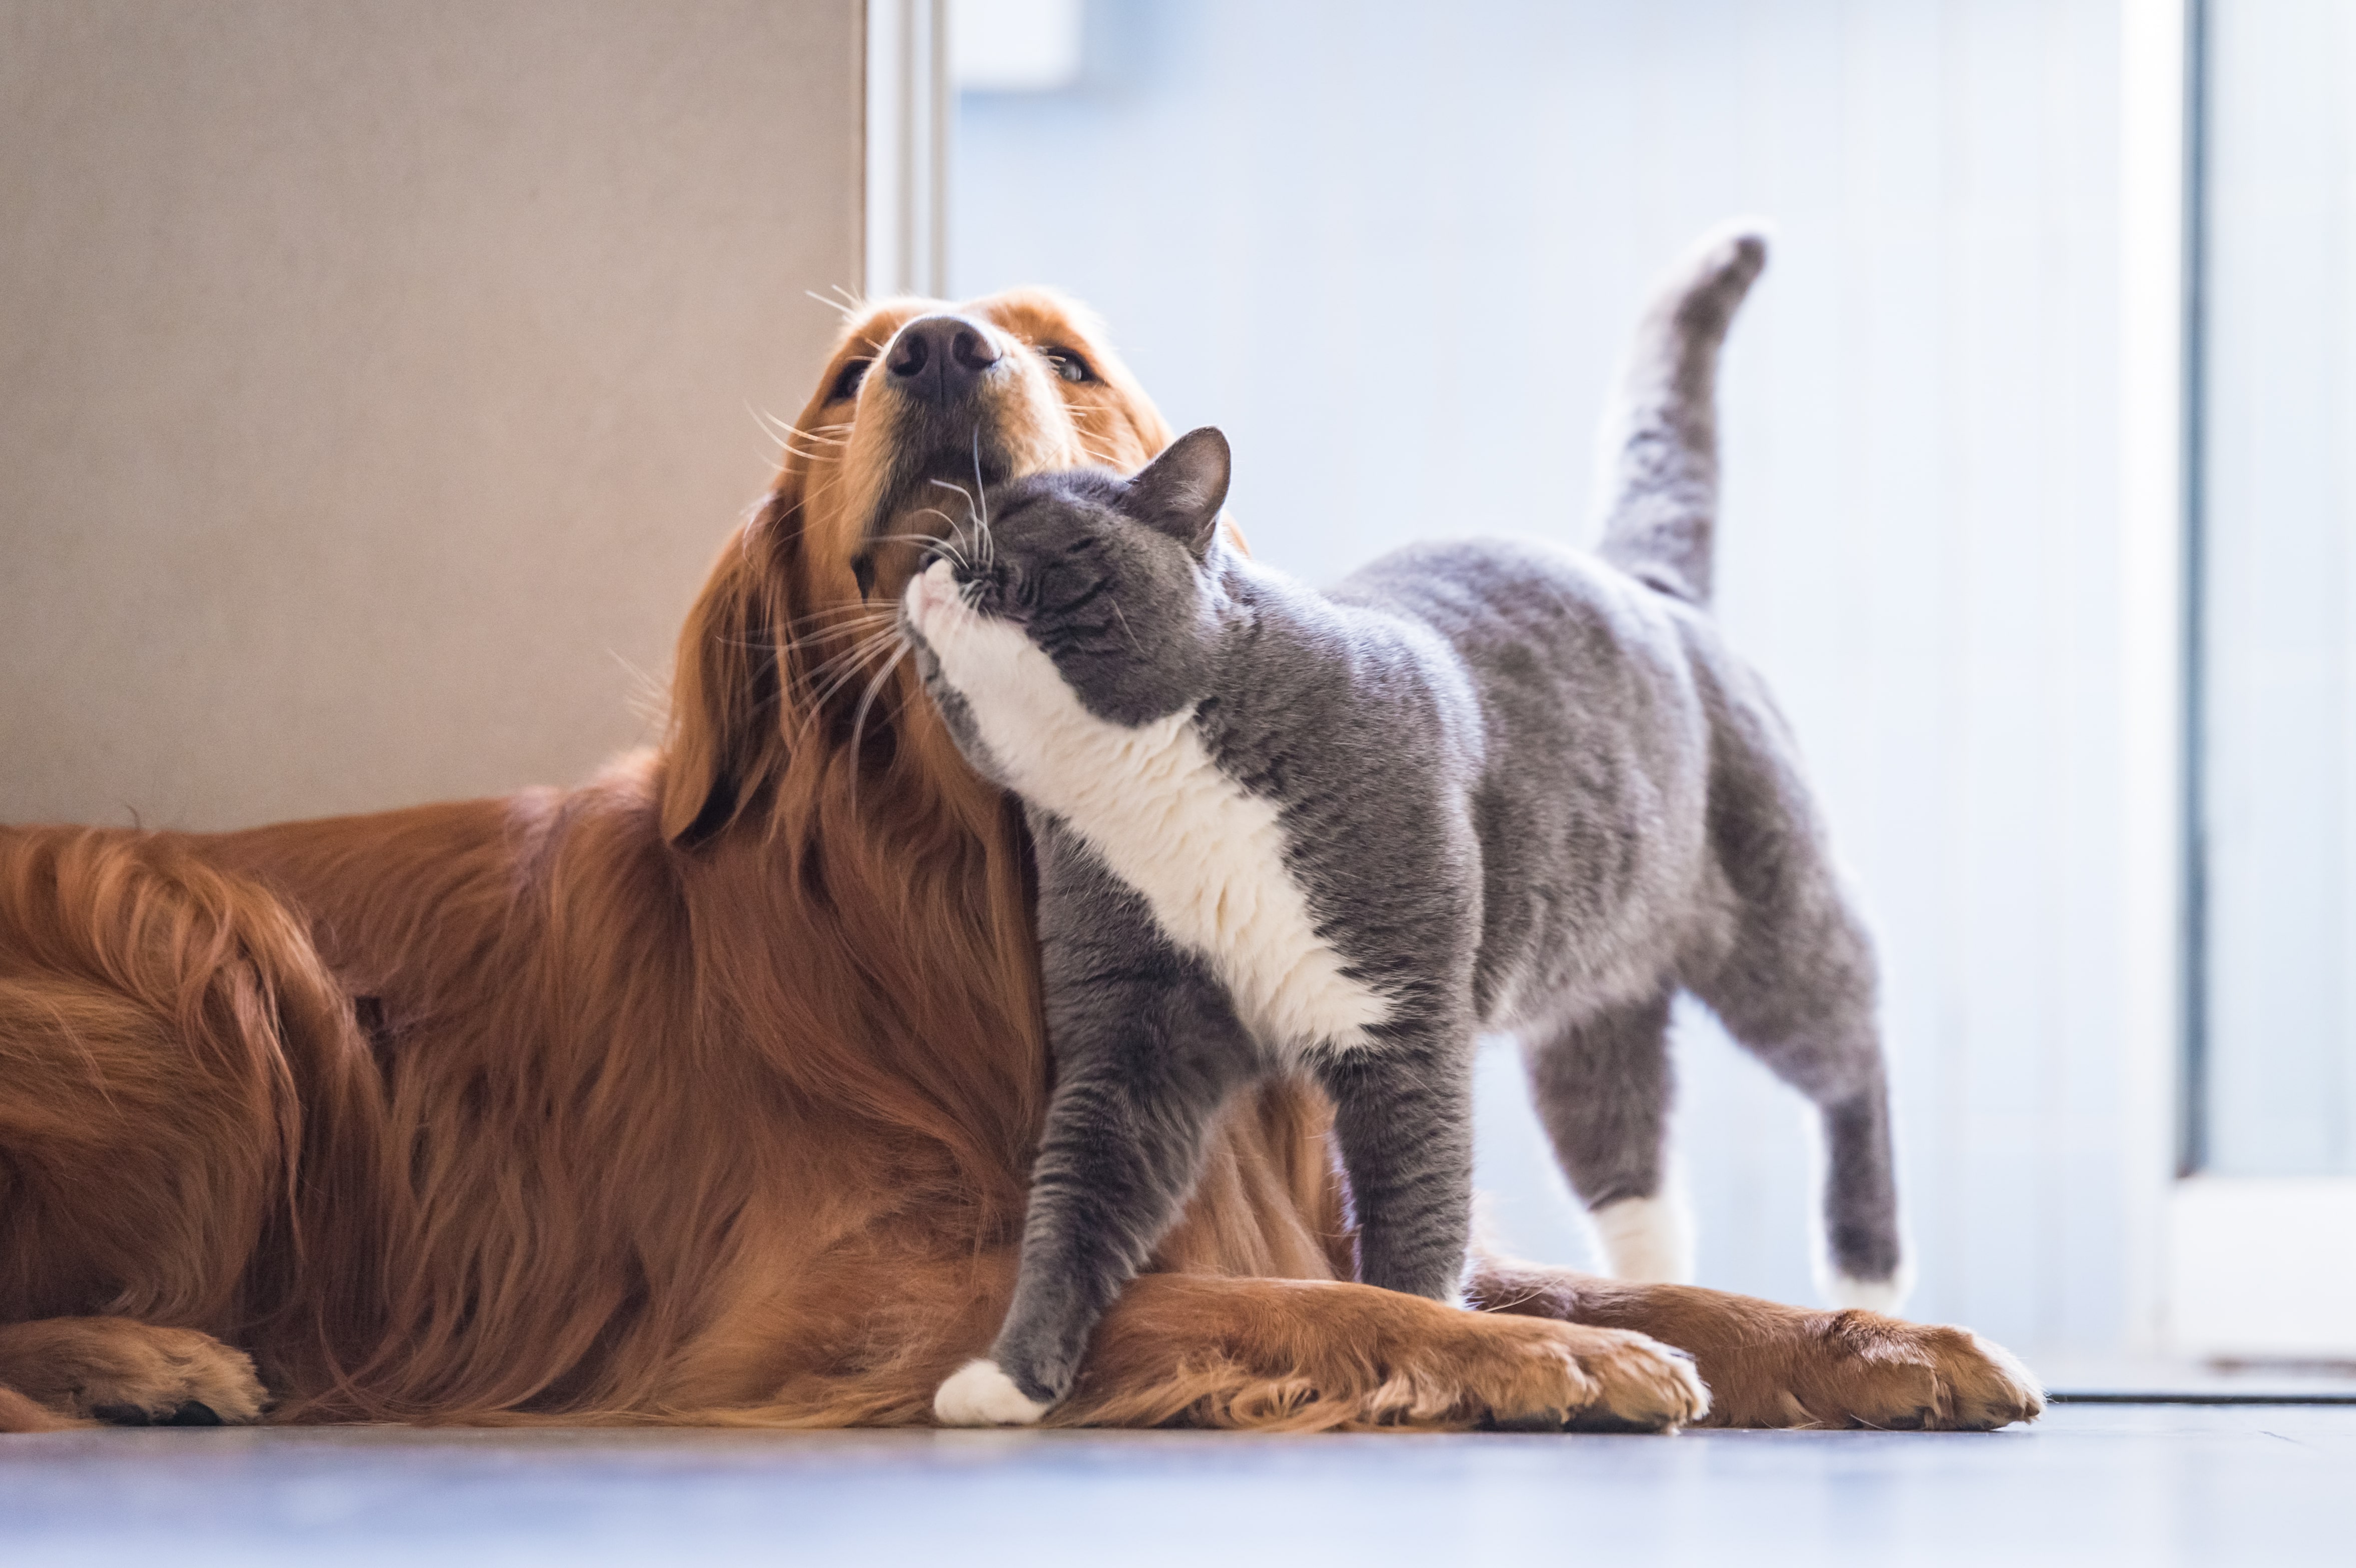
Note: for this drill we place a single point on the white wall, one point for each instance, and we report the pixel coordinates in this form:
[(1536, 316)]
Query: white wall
[(1393, 249), (374, 378)]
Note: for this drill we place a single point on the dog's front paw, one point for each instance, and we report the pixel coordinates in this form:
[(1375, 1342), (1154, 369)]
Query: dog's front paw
[(1568, 1376), (979, 1393), (1641, 1385), (1867, 1371), (129, 1373)]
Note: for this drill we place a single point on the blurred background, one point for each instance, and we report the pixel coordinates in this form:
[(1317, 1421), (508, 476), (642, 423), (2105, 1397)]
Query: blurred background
[(1395, 251), (380, 380), (1395, 248)]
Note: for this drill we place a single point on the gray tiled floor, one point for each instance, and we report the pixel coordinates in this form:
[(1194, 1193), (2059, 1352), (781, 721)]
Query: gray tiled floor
[(2262, 1484)]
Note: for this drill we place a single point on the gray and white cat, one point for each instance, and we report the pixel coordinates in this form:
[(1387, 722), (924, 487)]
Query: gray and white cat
[(1478, 786)]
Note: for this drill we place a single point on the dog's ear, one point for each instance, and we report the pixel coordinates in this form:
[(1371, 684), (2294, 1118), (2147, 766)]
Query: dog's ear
[(1180, 493), (727, 740)]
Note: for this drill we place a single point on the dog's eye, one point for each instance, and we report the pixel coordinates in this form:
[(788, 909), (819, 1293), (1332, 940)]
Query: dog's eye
[(846, 385), (1069, 365)]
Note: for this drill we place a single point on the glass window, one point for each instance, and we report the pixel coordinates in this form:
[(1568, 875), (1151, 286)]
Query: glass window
[(2275, 1037)]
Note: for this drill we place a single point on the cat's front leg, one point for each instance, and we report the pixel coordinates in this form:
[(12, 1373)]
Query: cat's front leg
[(1403, 1116), (1147, 1048)]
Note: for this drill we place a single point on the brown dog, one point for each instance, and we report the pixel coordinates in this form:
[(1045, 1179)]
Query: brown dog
[(705, 1092)]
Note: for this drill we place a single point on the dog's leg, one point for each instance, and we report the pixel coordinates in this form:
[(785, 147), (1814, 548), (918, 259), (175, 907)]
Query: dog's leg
[(1217, 1349), (1549, 1348), (171, 1049), (1603, 1086), (1327, 1355), (1772, 1365)]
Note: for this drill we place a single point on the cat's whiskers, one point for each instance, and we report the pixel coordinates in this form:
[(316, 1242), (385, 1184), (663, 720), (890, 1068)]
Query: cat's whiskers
[(846, 620), (985, 546), (837, 613), (851, 670), (824, 626), (1114, 600), (866, 701), (839, 671), (878, 623), (947, 541), (861, 631), (979, 504), (944, 544)]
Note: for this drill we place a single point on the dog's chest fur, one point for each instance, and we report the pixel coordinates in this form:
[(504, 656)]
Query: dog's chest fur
[(1206, 854)]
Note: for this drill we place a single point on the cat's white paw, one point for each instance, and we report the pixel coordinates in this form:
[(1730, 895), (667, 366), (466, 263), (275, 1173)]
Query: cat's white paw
[(979, 1394), (1647, 1238), (1885, 1295)]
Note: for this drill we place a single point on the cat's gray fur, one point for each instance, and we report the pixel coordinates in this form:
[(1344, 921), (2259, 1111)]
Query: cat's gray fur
[(1522, 788)]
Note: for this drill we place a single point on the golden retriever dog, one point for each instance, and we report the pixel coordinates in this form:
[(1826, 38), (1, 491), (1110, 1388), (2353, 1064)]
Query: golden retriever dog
[(705, 1093)]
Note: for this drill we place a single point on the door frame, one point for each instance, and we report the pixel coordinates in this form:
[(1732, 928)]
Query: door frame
[(2219, 1266), (908, 110)]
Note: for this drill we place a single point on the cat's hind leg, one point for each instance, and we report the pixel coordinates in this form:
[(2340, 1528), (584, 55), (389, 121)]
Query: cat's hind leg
[(1602, 1087), (1819, 1035), (1796, 982)]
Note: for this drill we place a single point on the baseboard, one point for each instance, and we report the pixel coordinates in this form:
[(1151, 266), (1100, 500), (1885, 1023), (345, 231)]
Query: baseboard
[(2263, 1267)]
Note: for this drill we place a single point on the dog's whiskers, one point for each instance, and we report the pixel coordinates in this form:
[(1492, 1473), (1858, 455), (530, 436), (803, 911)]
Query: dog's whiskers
[(847, 307), (786, 433)]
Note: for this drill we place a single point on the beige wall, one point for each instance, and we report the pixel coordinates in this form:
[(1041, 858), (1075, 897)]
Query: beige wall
[(374, 378)]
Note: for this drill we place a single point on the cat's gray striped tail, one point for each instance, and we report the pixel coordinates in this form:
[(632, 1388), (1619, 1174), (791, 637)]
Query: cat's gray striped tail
[(1657, 470)]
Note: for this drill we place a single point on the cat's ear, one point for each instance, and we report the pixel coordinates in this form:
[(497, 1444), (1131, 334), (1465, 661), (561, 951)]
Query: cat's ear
[(1180, 493)]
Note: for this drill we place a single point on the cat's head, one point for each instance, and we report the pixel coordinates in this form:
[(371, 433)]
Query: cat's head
[(1106, 586)]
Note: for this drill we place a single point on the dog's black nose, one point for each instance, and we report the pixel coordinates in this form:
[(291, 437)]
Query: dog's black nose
[(937, 358)]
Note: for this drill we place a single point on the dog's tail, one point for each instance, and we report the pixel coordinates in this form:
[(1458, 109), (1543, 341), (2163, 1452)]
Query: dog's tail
[(1657, 474)]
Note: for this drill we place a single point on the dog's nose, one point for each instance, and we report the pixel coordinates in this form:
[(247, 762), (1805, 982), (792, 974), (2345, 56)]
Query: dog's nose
[(937, 358)]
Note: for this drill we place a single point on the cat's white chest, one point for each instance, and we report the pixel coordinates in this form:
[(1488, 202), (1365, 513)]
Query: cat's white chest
[(1206, 855)]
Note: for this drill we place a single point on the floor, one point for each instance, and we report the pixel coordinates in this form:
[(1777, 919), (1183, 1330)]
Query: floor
[(2159, 1484)]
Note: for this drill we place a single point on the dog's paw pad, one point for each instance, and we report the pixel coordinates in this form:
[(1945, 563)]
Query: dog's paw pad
[(188, 1412)]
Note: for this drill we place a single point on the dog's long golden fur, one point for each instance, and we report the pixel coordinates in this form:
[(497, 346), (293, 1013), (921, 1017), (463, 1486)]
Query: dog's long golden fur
[(705, 1092)]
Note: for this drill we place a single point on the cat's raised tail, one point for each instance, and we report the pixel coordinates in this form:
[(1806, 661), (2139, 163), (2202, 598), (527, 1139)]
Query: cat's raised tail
[(1657, 473)]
